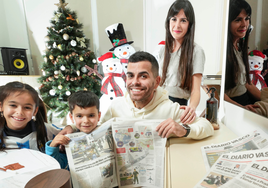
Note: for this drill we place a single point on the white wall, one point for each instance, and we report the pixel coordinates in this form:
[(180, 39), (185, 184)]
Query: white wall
[(14, 31), (127, 12), (209, 16), (95, 15)]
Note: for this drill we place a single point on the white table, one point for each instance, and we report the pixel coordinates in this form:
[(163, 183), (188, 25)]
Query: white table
[(34, 163), (185, 165)]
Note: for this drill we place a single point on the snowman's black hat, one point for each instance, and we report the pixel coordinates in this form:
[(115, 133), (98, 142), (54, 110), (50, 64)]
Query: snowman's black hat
[(117, 36)]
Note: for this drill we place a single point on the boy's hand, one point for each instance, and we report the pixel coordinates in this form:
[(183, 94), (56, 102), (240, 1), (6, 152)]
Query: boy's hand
[(59, 140)]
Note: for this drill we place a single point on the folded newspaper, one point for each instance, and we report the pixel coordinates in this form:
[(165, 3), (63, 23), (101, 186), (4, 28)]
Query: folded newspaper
[(239, 163), (124, 153), (252, 141)]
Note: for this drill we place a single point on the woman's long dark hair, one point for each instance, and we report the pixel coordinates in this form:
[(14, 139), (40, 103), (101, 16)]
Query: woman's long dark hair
[(232, 68), (185, 65), (41, 117)]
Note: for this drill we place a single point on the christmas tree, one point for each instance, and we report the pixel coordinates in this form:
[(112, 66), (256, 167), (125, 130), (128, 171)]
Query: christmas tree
[(69, 65)]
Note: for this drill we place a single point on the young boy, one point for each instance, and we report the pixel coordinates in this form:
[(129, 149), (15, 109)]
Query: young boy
[(85, 114)]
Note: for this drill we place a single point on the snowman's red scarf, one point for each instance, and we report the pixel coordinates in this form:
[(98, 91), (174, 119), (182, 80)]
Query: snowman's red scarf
[(117, 90), (123, 73), (256, 77)]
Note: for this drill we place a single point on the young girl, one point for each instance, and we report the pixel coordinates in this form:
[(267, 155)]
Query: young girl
[(238, 88), (22, 118), (181, 60)]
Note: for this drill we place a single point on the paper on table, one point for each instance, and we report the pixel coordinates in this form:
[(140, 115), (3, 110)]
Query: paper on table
[(22, 156)]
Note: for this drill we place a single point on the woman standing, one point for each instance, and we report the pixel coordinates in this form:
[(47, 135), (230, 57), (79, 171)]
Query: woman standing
[(181, 60), (238, 88)]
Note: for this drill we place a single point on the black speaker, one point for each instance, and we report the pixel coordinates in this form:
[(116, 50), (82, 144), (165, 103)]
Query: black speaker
[(15, 61)]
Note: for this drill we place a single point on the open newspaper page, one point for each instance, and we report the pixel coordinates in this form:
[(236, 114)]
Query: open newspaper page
[(232, 165), (139, 153), (91, 158), (253, 141)]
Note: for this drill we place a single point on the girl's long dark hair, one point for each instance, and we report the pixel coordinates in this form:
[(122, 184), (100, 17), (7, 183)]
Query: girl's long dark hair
[(185, 65), (41, 117), (232, 68)]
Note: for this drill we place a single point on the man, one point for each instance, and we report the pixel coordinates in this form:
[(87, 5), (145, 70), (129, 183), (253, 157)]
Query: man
[(145, 100), (136, 179)]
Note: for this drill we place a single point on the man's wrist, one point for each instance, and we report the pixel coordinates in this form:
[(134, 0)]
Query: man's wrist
[(187, 128)]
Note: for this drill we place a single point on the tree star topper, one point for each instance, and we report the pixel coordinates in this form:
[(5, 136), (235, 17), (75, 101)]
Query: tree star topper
[(61, 5)]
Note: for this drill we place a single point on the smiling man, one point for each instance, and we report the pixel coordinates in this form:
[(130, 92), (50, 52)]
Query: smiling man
[(144, 99)]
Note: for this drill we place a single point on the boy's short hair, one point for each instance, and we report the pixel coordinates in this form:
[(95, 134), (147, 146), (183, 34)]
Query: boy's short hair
[(83, 99)]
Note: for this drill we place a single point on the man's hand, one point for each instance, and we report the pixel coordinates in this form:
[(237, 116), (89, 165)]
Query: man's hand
[(59, 140), (188, 116), (168, 127), (67, 130)]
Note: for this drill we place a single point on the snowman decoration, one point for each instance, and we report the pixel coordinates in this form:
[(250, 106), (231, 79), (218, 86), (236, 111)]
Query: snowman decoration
[(121, 47), (157, 49), (256, 59), (113, 84)]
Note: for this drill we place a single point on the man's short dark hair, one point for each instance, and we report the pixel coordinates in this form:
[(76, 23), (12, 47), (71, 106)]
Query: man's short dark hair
[(145, 56), (83, 99)]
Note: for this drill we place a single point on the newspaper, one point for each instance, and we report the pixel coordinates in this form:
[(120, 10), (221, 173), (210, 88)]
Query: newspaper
[(247, 169), (254, 176), (139, 153), (91, 158), (253, 141)]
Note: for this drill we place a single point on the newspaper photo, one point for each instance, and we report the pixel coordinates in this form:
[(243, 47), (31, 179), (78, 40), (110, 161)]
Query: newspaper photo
[(253, 141), (139, 153), (91, 158), (237, 167)]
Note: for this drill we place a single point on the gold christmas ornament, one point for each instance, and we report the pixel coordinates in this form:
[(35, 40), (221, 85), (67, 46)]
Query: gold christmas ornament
[(51, 57), (77, 21), (56, 76), (50, 78), (81, 58), (60, 47), (78, 73), (85, 89), (60, 87), (65, 36)]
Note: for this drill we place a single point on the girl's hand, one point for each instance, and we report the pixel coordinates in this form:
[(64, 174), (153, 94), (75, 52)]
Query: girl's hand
[(251, 107), (60, 140), (188, 116)]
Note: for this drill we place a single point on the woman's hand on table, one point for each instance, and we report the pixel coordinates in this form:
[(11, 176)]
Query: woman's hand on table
[(251, 107), (188, 116)]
